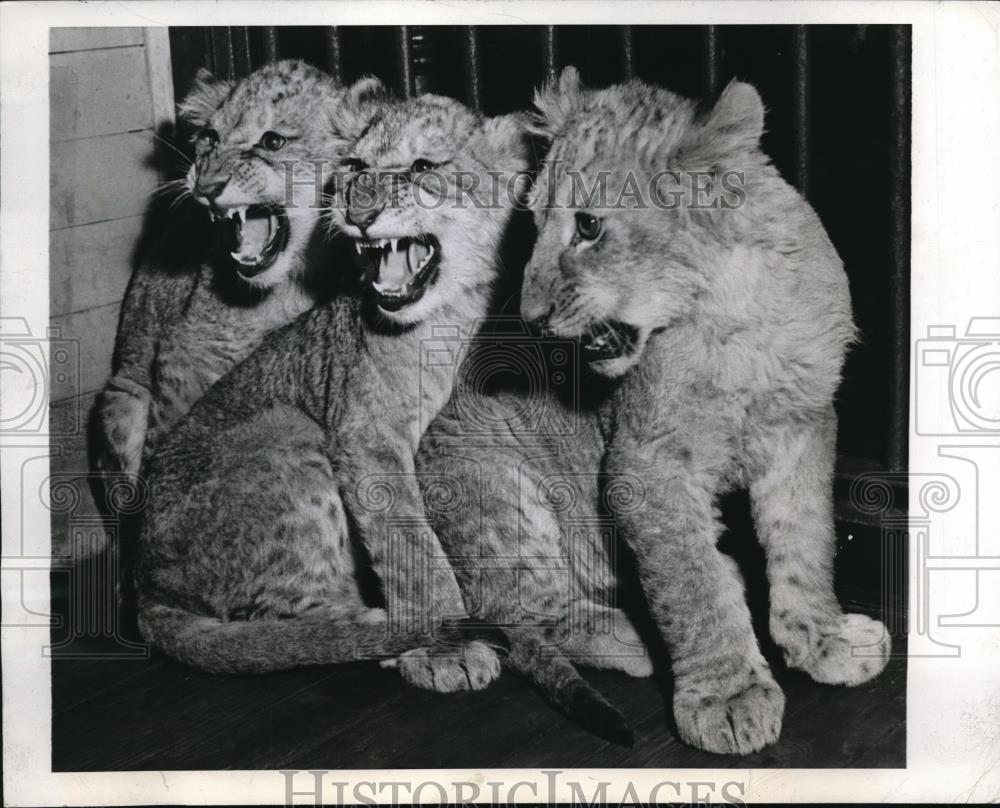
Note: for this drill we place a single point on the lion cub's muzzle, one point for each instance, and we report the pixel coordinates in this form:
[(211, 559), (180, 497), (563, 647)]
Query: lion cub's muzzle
[(253, 235), (398, 270), (610, 339)]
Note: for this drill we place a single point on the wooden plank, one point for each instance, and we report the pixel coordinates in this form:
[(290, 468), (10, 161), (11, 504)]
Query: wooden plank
[(62, 40), (98, 92), (97, 179), (90, 265), (160, 76), (93, 334)]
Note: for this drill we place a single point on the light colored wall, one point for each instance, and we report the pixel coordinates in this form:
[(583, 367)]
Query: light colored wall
[(109, 91)]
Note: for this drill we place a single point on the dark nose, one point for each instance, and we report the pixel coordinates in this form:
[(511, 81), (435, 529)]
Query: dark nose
[(211, 188), (364, 202)]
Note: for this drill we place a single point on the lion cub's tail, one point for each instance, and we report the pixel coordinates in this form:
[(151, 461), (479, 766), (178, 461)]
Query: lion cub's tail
[(561, 683), (258, 646)]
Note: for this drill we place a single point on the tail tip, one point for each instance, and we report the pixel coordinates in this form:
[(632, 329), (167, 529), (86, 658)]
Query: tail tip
[(616, 731), (599, 717)]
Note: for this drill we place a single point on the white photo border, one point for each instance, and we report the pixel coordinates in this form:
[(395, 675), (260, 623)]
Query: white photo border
[(953, 704)]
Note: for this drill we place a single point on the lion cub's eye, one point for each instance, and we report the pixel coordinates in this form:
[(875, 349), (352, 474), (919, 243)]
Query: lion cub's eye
[(354, 165), (588, 226), (210, 136), (421, 165), (272, 141)]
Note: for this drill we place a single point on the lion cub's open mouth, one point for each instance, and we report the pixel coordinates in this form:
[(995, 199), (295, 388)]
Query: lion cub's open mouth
[(610, 339), (255, 235), (399, 270)]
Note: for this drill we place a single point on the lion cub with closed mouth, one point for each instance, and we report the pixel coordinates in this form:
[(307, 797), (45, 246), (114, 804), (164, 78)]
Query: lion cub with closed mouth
[(726, 326), (247, 557)]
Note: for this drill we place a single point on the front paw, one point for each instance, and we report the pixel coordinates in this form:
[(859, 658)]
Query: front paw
[(451, 668), (733, 716), (847, 651), (122, 419)]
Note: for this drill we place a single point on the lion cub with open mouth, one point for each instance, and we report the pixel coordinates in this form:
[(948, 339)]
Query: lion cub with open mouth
[(727, 326), (247, 556)]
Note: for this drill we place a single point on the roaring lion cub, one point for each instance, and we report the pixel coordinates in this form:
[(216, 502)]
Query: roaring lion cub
[(726, 326), (246, 558), (194, 309)]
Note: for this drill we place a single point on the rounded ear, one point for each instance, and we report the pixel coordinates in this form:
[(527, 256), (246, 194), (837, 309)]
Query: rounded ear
[(206, 96), (555, 101), (507, 136), (737, 119), (358, 106), (367, 89)]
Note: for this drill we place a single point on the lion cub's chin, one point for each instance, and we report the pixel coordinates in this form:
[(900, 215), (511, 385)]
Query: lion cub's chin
[(613, 368)]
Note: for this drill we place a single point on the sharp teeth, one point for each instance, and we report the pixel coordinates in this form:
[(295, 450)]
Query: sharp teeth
[(394, 242), (358, 247)]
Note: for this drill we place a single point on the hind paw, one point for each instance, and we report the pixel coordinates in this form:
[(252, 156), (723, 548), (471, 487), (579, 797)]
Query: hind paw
[(450, 669)]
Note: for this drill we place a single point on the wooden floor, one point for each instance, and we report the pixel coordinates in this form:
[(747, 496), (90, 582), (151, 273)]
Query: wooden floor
[(156, 714)]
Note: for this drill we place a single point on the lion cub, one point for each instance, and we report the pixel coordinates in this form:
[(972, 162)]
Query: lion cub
[(726, 326), (215, 285), (247, 559)]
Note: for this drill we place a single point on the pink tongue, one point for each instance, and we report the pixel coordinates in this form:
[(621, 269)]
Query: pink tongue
[(253, 236), (392, 272)]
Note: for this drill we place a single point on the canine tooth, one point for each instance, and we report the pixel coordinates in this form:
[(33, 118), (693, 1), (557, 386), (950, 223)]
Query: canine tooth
[(409, 258), (395, 244), (357, 246)]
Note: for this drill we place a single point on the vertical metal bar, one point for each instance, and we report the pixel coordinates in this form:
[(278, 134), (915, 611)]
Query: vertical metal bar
[(241, 50), (269, 36), (405, 68), (213, 61), (334, 54), (628, 58), (800, 106), (222, 52), (899, 250), (473, 80), (551, 50), (713, 60)]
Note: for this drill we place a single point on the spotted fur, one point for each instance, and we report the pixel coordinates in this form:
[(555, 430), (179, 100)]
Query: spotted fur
[(297, 469), (185, 322), (743, 319), (521, 503)]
